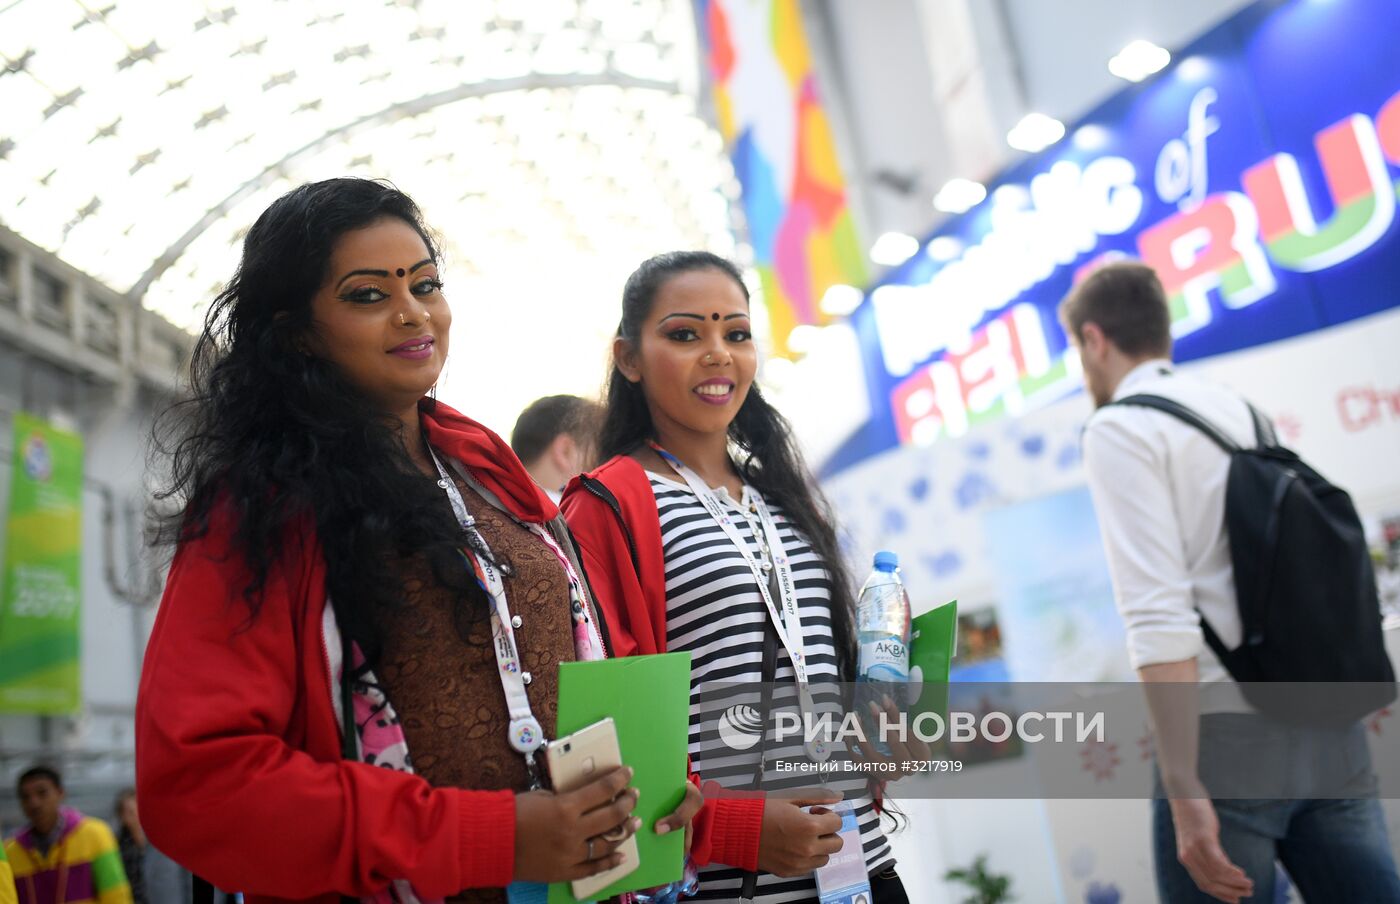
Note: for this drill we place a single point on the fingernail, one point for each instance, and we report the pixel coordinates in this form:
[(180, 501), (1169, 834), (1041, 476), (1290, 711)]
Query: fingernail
[(636, 823), (662, 828)]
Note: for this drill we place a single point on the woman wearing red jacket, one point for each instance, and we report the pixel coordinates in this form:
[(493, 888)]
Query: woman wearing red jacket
[(356, 657), (707, 536)]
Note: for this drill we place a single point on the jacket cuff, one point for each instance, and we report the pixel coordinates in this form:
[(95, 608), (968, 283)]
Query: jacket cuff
[(738, 823), (486, 830)]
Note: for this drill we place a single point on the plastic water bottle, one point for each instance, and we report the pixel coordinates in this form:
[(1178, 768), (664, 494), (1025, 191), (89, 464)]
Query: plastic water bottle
[(882, 620), (882, 628)]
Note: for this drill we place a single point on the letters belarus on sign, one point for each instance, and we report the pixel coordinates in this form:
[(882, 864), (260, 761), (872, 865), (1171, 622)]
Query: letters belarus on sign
[(1258, 176)]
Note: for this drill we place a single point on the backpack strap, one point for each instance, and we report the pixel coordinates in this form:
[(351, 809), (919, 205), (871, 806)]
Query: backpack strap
[(1185, 415), (1263, 429), (560, 529), (599, 489)]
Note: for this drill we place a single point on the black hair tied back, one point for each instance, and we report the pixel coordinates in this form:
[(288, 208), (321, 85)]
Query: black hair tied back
[(767, 452)]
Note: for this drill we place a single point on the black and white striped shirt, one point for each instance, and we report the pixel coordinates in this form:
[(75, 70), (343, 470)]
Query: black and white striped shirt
[(716, 613)]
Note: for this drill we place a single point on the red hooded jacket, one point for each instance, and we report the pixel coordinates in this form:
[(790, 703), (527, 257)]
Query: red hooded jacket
[(629, 585)]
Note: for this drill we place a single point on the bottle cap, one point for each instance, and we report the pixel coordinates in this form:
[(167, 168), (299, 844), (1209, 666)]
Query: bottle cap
[(886, 560)]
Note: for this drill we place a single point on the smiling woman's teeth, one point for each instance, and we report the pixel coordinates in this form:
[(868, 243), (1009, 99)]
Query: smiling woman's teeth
[(714, 390)]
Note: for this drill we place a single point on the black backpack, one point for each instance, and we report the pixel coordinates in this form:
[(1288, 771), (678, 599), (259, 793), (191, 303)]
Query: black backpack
[(1304, 583)]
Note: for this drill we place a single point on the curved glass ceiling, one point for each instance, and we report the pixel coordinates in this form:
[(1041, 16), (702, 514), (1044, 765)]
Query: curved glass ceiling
[(553, 143)]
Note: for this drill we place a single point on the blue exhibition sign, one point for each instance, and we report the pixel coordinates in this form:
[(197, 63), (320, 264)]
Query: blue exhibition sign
[(1257, 174)]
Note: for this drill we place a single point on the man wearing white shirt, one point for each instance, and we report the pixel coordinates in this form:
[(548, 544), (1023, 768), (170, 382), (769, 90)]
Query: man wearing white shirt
[(1158, 486), (555, 437)]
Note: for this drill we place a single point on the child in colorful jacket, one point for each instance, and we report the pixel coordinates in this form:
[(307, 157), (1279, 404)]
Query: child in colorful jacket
[(62, 856)]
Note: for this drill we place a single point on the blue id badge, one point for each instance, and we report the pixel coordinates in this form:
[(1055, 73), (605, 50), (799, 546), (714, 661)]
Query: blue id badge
[(527, 893), (844, 880)]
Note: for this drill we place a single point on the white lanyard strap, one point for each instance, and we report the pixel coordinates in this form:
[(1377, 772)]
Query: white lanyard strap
[(787, 622), (525, 734), (578, 599), (778, 566), (578, 604)]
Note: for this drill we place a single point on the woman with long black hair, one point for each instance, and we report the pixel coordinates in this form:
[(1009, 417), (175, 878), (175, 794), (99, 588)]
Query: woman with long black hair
[(356, 657), (714, 541)]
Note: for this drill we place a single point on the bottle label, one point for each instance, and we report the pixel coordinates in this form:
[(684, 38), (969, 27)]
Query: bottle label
[(885, 659)]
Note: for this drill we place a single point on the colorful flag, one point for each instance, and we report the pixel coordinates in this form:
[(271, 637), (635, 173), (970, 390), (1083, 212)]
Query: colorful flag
[(780, 141)]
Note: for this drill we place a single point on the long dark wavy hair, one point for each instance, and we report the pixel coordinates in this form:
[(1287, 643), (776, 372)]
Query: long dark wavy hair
[(274, 436), (768, 455)]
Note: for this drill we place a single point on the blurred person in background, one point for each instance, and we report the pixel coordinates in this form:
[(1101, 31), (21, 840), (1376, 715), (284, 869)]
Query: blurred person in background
[(1159, 489), (556, 437), (154, 877), (62, 856), (7, 880), (691, 443), (323, 711)]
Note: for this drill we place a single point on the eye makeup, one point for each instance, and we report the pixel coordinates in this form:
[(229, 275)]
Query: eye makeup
[(384, 274), (363, 295)]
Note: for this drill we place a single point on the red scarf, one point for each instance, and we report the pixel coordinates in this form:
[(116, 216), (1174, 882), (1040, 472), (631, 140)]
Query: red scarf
[(489, 459)]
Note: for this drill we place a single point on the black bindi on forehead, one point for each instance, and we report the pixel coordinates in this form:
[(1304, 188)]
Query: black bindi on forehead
[(714, 316), (399, 271)]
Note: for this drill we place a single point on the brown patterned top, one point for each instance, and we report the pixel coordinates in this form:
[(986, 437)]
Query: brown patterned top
[(439, 670)]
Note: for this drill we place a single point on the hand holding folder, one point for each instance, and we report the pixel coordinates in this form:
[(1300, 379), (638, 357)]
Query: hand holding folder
[(648, 698)]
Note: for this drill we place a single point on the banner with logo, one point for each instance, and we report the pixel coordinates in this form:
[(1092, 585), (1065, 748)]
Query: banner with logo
[(41, 599), (1257, 174)]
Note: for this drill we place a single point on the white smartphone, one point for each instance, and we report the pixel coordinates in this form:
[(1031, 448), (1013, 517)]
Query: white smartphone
[(574, 761)]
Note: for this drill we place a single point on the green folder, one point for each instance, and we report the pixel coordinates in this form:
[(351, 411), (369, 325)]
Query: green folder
[(933, 638), (648, 697)]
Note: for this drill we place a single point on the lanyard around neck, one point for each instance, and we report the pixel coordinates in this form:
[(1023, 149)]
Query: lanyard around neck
[(787, 621), (525, 734)]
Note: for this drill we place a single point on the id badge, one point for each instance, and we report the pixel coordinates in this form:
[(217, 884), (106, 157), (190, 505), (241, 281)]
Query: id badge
[(527, 893), (844, 880)]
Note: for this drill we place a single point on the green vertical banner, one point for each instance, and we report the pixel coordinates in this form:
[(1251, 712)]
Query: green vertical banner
[(41, 598)]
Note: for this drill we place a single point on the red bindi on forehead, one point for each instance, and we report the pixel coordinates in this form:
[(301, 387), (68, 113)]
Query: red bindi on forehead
[(714, 316)]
